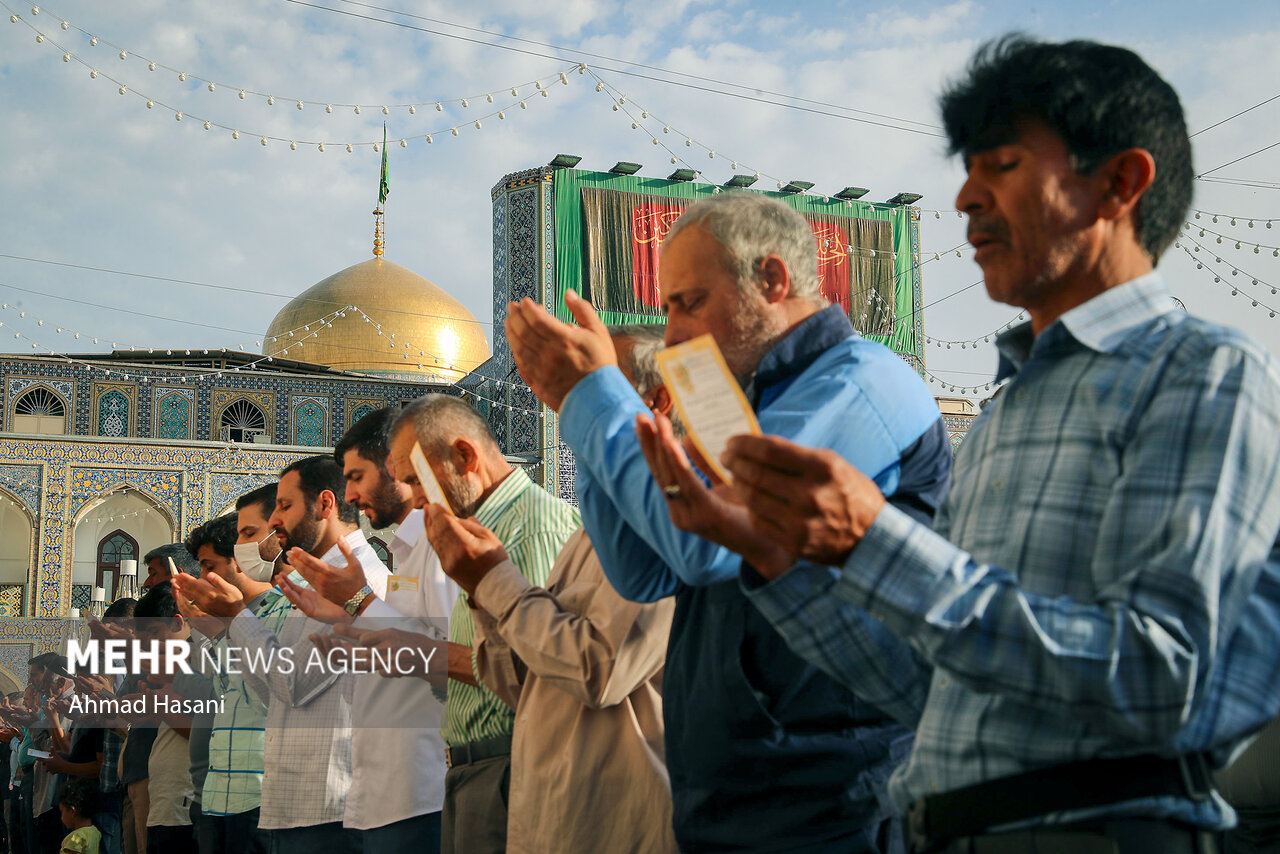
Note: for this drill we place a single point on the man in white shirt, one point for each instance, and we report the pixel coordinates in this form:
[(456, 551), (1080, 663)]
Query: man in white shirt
[(397, 788), (308, 754)]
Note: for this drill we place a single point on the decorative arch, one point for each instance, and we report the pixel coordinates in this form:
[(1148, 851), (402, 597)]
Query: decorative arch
[(309, 422), (117, 488), (242, 420), (18, 529), (173, 413), (40, 409), (114, 547), (113, 413), (240, 416), (360, 412), (380, 549)]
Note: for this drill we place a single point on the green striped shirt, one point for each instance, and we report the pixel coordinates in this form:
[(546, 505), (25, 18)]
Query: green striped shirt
[(533, 526)]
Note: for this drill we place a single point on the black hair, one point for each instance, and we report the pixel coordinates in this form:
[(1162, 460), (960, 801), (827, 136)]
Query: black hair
[(51, 661), (120, 609), (321, 472), (181, 557), (80, 794), (1099, 99), (219, 533), (264, 496), (370, 437), (159, 602)]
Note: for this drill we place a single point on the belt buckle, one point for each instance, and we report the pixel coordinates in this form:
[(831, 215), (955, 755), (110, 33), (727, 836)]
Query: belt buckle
[(1195, 776)]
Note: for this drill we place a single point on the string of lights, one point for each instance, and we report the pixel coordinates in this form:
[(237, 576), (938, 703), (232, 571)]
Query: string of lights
[(973, 342), (951, 387), (1239, 244), (542, 87), (1234, 219), (640, 117), (1235, 271), (704, 79), (246, 92), (740, 95)]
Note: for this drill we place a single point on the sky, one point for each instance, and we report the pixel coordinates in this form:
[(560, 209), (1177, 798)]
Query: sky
[(837, 93)]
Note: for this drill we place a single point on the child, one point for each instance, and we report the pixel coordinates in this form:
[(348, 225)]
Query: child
[(77, 805)]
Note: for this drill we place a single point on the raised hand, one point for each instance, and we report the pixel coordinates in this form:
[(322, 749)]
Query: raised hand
[(553, 356)]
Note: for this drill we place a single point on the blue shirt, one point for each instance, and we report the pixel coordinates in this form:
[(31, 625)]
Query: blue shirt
[(765, 752), (1104, 579)]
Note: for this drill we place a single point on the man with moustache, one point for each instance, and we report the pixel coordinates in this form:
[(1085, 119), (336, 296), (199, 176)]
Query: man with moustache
[(765, 752), (308, 757), (533, 526), (1100, 602)]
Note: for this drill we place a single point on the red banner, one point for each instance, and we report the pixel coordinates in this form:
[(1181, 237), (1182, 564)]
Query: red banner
[(650, 223), (833, 262)]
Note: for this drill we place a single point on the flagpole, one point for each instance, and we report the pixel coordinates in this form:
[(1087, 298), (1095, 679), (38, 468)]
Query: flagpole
[(384, 187)]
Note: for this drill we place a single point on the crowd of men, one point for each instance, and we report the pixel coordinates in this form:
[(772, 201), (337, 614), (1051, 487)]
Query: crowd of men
[(1052, 643)]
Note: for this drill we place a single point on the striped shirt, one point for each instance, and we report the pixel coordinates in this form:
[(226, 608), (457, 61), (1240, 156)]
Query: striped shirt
[(533, 526), (1104, 580), (307, 748), (234, 782)]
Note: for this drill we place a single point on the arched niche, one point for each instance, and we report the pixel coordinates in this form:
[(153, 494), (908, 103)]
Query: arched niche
[(124, 511), (17, 541)]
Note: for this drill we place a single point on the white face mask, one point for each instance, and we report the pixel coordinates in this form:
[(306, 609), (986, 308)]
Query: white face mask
[(250, 561)]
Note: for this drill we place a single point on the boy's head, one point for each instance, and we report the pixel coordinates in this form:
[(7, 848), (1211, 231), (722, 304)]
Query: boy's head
[(78, 800)]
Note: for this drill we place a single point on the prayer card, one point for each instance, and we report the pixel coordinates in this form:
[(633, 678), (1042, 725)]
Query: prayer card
[(710, 401), (427, 478)]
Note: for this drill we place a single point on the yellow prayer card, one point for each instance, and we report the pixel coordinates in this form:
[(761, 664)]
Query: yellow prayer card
[(427, 478), (710, 401)]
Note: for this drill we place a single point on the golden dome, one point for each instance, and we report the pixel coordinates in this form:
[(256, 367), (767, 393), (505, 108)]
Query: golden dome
[(443, 339)]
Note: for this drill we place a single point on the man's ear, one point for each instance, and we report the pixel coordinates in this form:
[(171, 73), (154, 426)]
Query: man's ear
[(775, 279), (465, 457), (1127, 175), (326, 504), (658, 399)]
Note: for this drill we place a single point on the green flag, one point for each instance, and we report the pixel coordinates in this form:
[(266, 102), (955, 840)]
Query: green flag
[(384, 185)]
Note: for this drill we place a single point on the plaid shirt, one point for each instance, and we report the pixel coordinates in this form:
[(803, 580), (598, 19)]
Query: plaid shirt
[(1104, 577), (109, 776), (307, 748), (234, 782)]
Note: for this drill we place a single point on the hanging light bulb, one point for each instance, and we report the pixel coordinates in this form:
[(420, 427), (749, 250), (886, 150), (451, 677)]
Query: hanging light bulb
[(413, 110), (357, 109), (235, 134), (208, 125), (241, 94), (271, 100), (212, 87), (350, 148), (429, 139), (182, 77)]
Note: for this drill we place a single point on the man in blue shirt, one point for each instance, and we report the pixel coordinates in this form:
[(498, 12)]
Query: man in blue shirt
[(1100, 602), (766, 753)]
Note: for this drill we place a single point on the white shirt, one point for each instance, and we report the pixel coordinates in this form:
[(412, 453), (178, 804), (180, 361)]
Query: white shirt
[(398, 762), (169, 774), (308, 753)]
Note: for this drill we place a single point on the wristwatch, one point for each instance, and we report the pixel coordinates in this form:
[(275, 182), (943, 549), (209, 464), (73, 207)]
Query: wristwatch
[(353, 604)]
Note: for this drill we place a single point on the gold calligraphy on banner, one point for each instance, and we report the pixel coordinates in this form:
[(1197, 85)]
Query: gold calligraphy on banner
[(831, 244), (650, 224)]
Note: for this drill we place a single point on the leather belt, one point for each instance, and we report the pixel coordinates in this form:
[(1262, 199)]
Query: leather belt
[(970, 811), (464, 754)]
